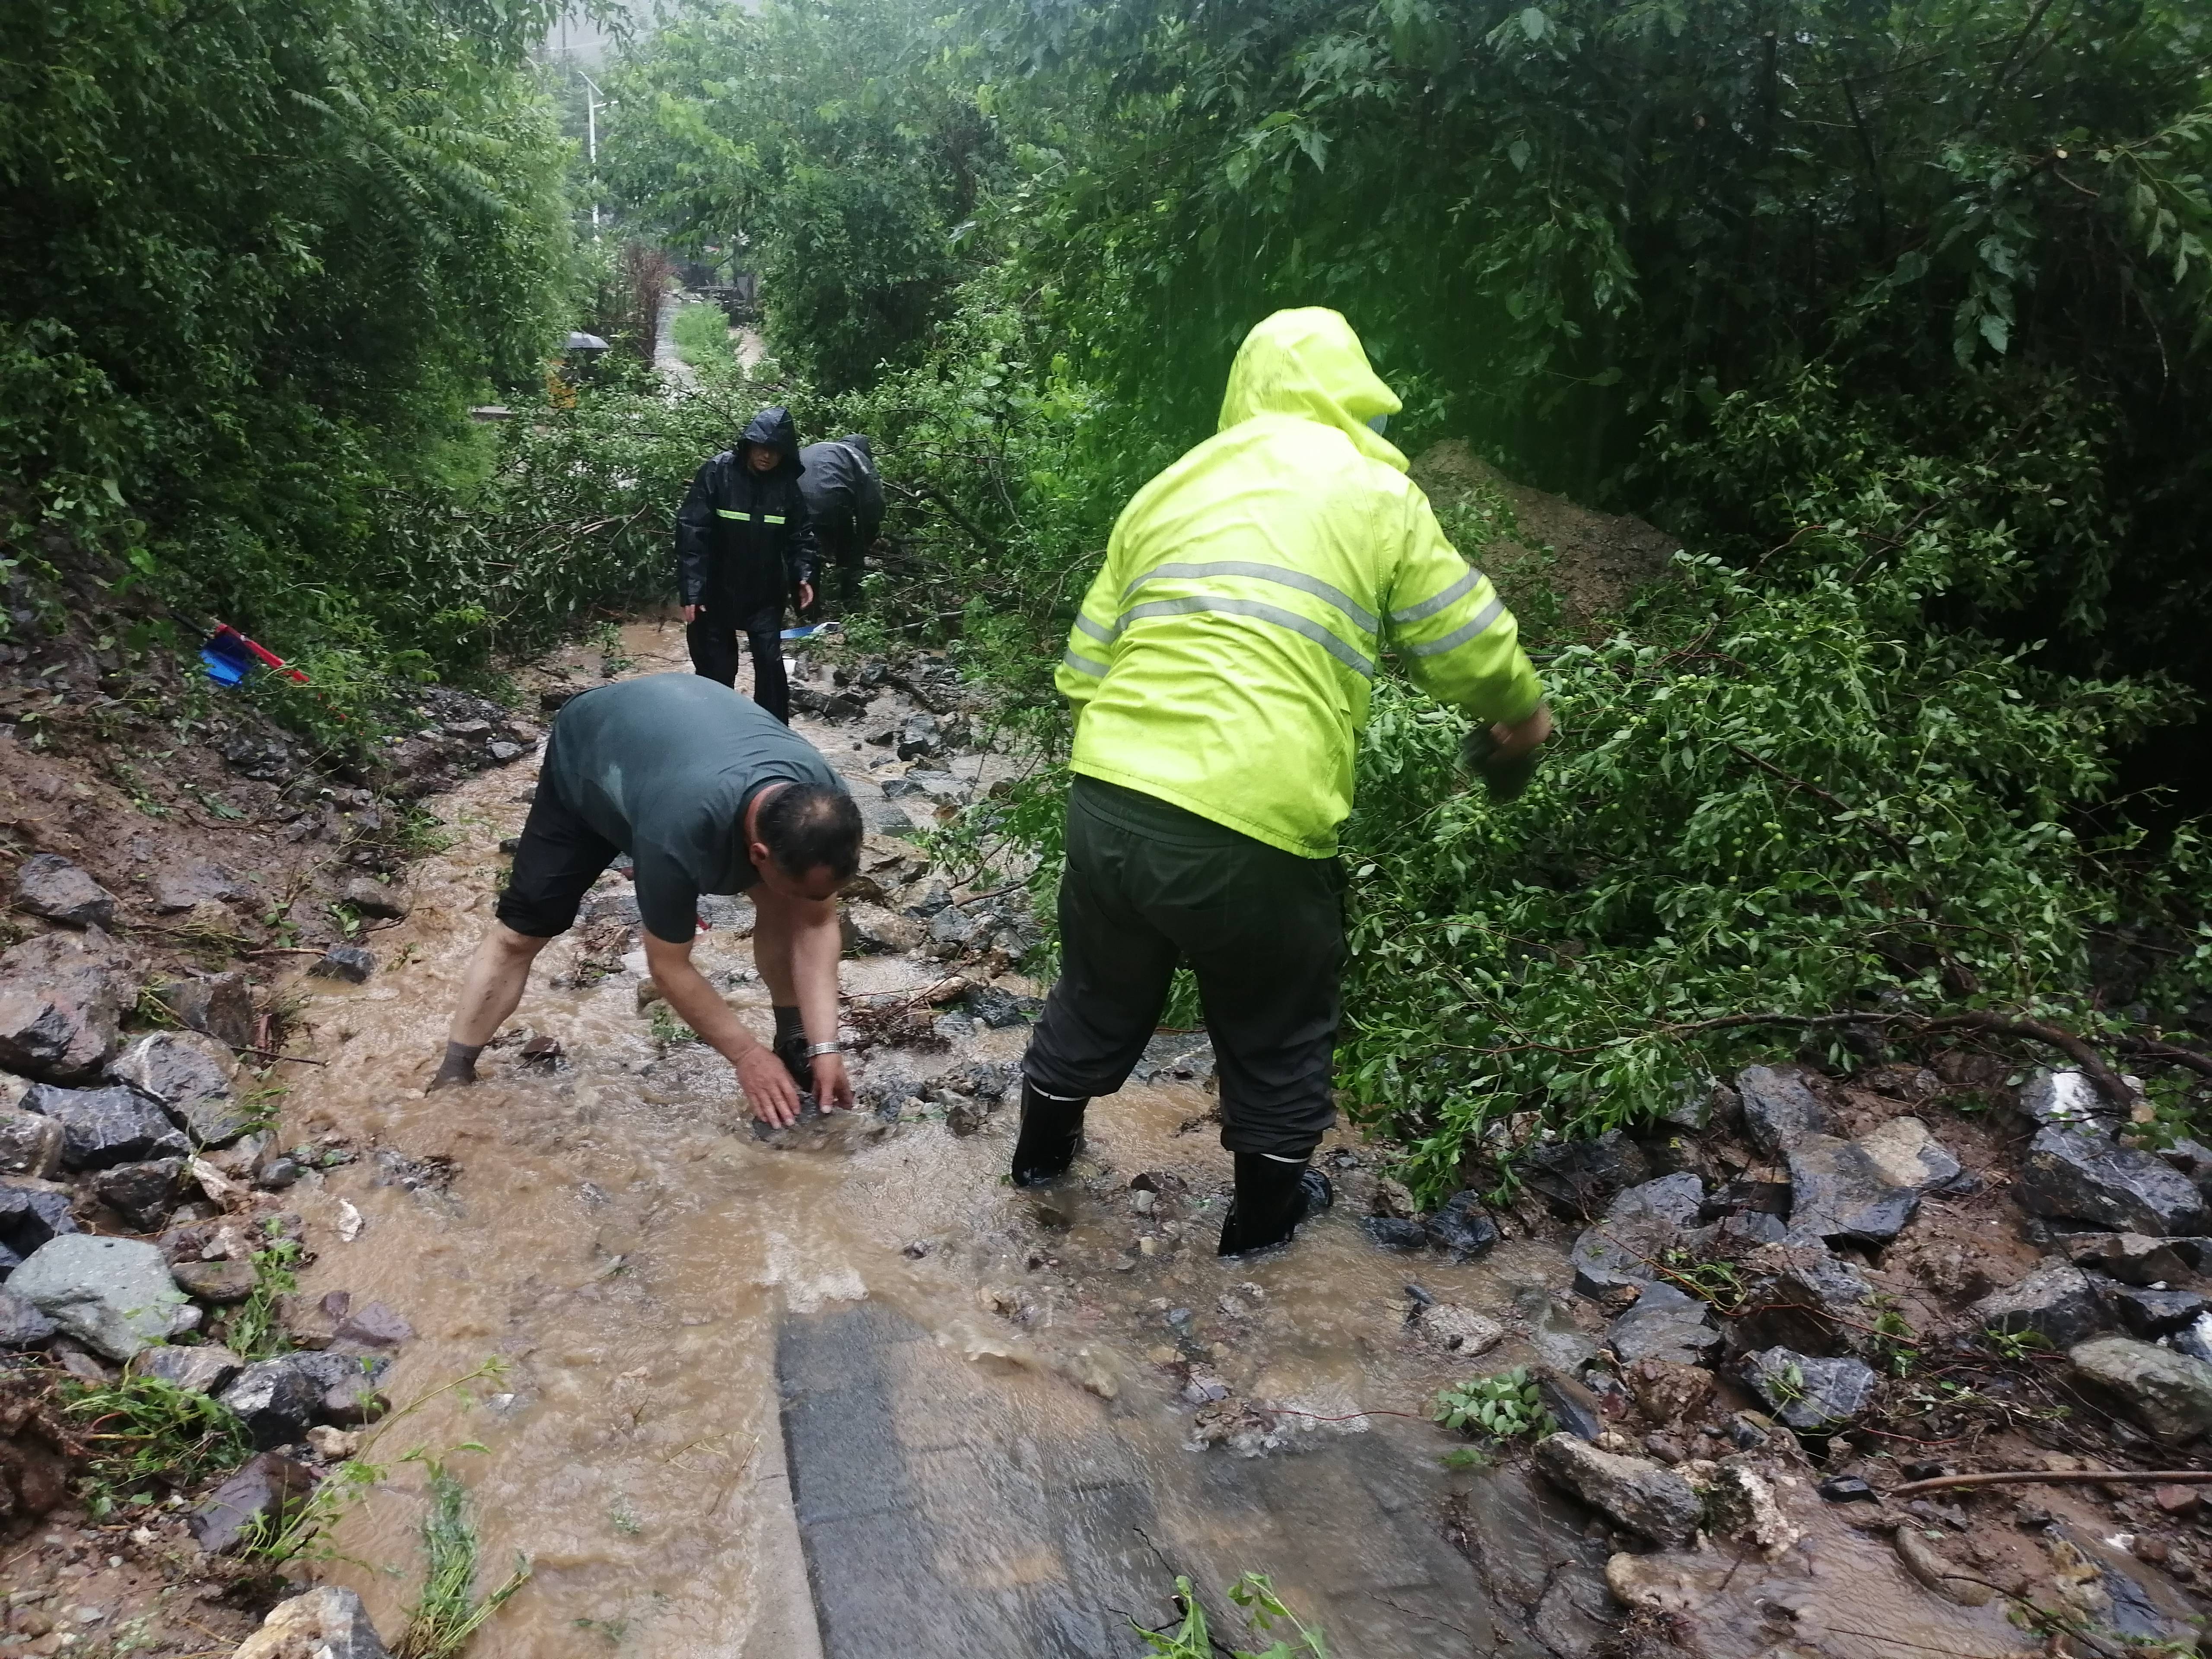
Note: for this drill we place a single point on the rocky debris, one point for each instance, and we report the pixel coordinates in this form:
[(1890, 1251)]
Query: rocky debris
[(2081, 1178), (370, 1325), (1664, 1323), (1395, 1233), (105, 1127), (61, 998), (202, 1369), (2056, 1303), (30, 1145), (1906, 1154), (219, 1282), (1576, 1178), (1000, 1009), (263, 1497), (274, 1398), (1669, 1392), (1654, 1502), (1638, 1228), (920, 738), (1803, 1297), (342, 1381), (1778, 1108), (871, 930), (2067, 1100), (2148, 1313), (1839, 1192), (1453, 1329), (198, 883), (21, 1324), (219, 1004), (1740, 1503), (326, 1623), (115, 1295), (1809, 1392), (142, 1194), (370, 897), (2168, 1393), (1576, 1408), (49, 886), (353, 964), (1921, 1559), (2131, 1258), (1463, 1226), (30, 1213)]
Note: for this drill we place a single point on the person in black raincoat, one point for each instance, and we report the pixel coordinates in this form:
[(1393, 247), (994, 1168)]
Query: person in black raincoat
[(845, 497), (745, 547)]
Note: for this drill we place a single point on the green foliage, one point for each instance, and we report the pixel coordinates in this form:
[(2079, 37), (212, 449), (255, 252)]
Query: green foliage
[(1501, 1406), (145, 1433), (451, 1612), (701, 335), (1255, 1595), (252, 1332)]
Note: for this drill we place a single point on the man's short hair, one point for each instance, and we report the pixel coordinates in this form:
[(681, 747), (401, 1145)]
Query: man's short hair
[(808, 825)]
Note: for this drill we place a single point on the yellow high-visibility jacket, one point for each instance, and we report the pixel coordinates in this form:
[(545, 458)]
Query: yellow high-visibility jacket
[(1222, 658)]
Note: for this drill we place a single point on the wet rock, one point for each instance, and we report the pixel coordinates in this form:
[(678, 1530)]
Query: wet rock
[(920, 738), (1463, 1226), (198, 883), (1001, 1009), (1700, 1106), (142, 1194), (1778, 1108), (200, 1369), (373, 1325), (1838, 1191), (353, 964), (1665, 1323), (2079, 1177), (1576, 1177), (1740, 1503), (1453, 1329), (30, 1145), (2131, 1258), (1575, 1407), (952, 929), (342, 1383), (871, 930), (219, 1004), (1395, 1233), (263, 1495), (1669, 1392), (1920, 1558), (273, 1398), (1804, 1297), (1907, 1155), (2067, 1100), (21, 1324), (1176, 1057), (370, 897), (2167, 1392), (326, 1623), (115, 1295), (61, 999), (219, 1282), (1807, 1392), (2148, 1313), (1638, 1228), (2055, 1302), (31, 1214), (105, 1127), (49, 886), (1656, 1502)]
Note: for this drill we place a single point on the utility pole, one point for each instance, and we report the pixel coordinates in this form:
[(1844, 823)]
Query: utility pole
[(592, 142)]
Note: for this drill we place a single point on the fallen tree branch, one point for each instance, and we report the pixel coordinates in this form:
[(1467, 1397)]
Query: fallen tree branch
[(2054, 1477)]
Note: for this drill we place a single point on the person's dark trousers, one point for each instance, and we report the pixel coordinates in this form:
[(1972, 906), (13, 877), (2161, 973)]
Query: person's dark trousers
[(714, 643), (843, 548), (1148, 884)]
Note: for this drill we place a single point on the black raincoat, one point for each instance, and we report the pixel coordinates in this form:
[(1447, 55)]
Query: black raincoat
[(744, 539), (840, 483)]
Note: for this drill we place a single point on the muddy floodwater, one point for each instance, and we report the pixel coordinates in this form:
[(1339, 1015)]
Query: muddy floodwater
[(728, 1369)]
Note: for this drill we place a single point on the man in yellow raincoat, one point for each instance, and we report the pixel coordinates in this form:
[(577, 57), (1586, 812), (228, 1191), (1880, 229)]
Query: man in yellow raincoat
[(1219, 668)]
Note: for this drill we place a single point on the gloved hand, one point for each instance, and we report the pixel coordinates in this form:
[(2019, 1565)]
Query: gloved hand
[(1505, 757)]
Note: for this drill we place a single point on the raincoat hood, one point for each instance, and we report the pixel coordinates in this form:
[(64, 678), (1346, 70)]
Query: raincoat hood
[(860, 440), (773, 429), (1308, 364)]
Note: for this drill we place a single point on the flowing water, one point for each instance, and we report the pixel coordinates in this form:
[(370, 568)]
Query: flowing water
[(675, 1306)]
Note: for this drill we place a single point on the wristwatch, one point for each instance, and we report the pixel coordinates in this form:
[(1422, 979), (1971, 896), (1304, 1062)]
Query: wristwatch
[(815, 1050)]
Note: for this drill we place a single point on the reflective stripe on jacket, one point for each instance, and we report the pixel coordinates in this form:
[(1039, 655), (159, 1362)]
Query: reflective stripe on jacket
[(1223, 657)]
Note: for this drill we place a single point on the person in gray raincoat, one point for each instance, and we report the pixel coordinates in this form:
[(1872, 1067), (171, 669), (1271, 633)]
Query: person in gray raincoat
[(744, 548), (845, 497)]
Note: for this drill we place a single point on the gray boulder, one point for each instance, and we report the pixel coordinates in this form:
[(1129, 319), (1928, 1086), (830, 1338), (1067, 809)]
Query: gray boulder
[(193, 1077), (1636, 1231), (142, 1194), (1804, 1297), (105, 1127), (1463, 1225), (30, 1145), (2055, 1302), (327, 1623), (2195, 1339), (218, 1282), (1578, 1177), (2131, 1258), (200, 1369), (50, 885), (871, 930), (1807, 1392), (219, 1004), (370, 897), (196, 883), (1838, 1191), (351, 963), (2147, 1313), (1666, 1323), (1907, 1155), (2169, 1393), (31, 1214), (61, 998), (274, 1398), (114, 1295), (1641, 1496), (263, 1497), (2081, 1178), (21, 1324), (920, 738), (2067, 1100), (1778, 1108)]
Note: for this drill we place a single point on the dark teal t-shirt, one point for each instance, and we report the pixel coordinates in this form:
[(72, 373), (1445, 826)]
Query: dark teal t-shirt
[(663, 767)]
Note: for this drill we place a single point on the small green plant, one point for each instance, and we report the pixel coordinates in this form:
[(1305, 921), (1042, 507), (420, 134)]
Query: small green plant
[(623, 1521), (667, 1029), (145, 1432), (1787, 1385), (1719, 1283), (253, 1332), (1255, 1595), (451, 1612), (2016, 1344), (701, 335), (1502, 1406)]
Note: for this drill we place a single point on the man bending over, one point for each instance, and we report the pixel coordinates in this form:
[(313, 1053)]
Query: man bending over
[(708, 793)]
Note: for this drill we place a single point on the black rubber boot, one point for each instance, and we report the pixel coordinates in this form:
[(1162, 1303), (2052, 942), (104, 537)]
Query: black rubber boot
[(792, 1051), (1272, 1198), (1051, 1130)]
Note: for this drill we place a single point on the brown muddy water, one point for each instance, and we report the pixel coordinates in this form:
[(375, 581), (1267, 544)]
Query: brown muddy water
[(614, 1237)]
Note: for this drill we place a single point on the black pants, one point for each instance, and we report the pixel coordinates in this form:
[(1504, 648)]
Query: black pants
[(1149, 884), (841, 546), (559, 858), (713, 637)]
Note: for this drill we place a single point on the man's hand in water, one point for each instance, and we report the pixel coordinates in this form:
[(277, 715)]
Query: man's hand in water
[(833, 1089), (769, 1088)]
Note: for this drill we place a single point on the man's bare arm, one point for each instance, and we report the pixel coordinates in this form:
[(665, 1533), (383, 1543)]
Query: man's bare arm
[(797, 945), (769, 1088)]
